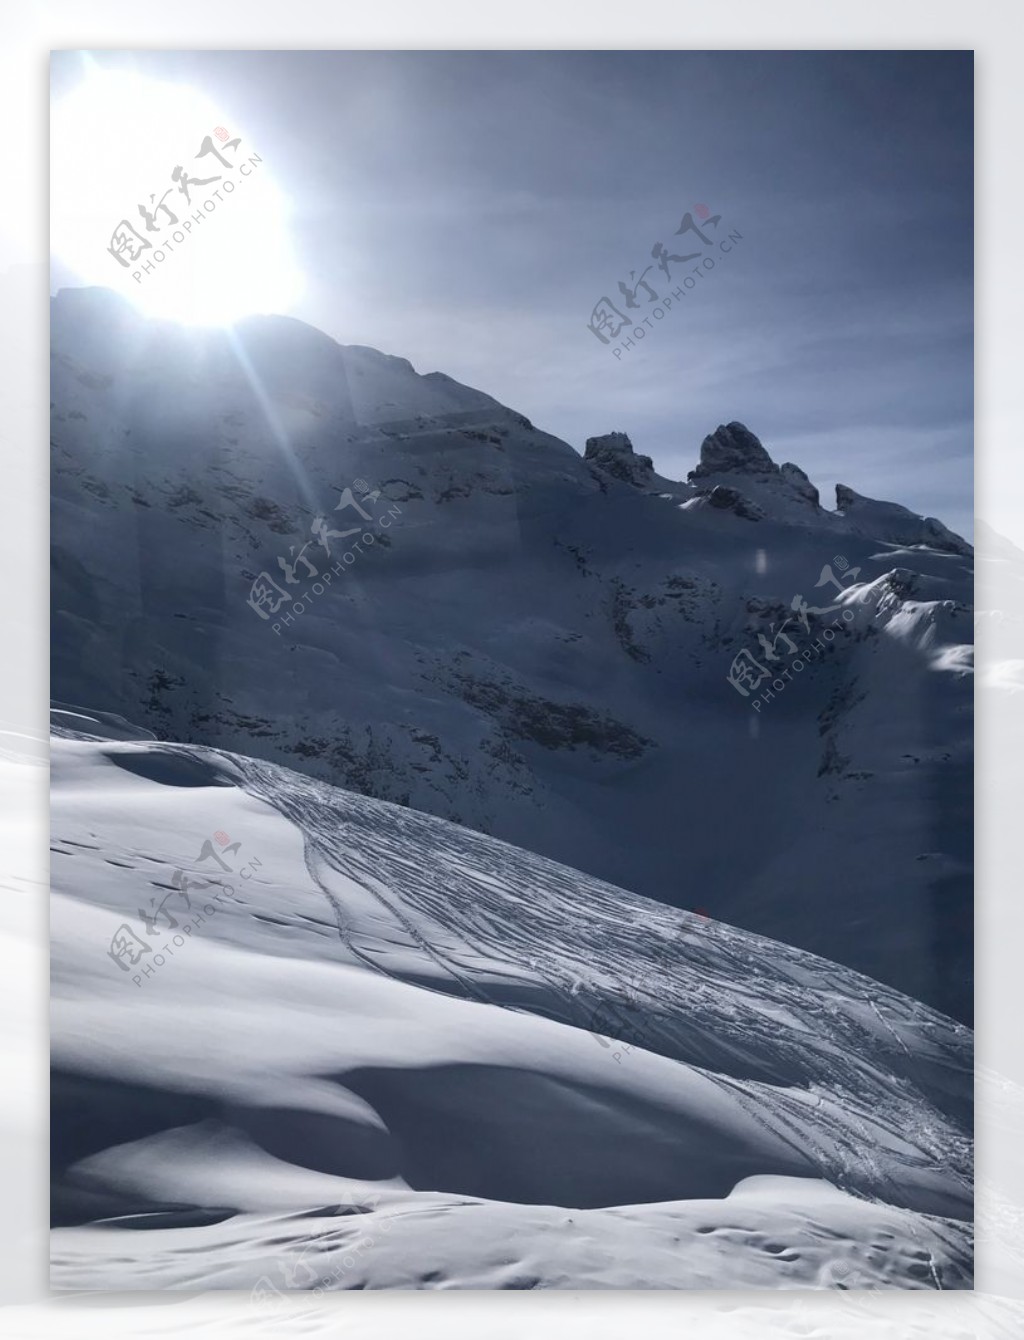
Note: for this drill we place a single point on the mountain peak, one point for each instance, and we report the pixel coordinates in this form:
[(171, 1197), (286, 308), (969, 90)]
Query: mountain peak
[(798, 480), (614, 454), (897, 524), (733, 449)]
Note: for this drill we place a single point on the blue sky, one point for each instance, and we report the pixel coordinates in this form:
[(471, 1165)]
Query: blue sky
[(467, 210)]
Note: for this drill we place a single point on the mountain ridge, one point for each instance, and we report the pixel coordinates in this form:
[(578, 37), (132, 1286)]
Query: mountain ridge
[(548, 646)]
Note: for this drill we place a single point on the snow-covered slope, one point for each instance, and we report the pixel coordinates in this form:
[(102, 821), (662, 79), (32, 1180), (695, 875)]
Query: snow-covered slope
[(386, 1051), (532, 642)]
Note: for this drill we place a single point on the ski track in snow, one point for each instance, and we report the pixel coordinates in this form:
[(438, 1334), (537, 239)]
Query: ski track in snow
[(459, 919), (830, 1075)]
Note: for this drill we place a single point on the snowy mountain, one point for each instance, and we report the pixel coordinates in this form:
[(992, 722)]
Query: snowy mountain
[(715, 692), (307, 1039)]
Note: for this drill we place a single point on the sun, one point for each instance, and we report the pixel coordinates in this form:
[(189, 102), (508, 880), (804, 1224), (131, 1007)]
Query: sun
[(154, 193)]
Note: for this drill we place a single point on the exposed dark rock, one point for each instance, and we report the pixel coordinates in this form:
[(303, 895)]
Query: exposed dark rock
[(795, 477), (731, 500), (614, 454), (733, 448)]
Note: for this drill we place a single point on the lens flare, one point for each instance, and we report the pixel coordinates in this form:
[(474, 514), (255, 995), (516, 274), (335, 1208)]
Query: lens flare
[(156, 194)]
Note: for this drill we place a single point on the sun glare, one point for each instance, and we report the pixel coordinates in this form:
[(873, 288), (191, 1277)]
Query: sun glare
[(157, 194)]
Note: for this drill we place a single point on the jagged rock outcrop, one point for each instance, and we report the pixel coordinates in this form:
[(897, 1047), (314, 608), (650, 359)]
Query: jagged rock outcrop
[(733, 449), (613, 453), (797, 480), (731, 500)]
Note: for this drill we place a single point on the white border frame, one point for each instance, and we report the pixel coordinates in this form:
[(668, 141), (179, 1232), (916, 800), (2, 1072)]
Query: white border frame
[(994, 31)]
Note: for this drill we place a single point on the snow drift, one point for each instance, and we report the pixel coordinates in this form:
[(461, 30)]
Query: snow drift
[(393, 1052)]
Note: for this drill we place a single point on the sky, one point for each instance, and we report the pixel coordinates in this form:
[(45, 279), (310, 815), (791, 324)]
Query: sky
[(467, 210)]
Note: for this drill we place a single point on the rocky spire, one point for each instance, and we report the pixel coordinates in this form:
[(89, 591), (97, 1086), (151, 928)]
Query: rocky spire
[(733, 449), (614, 454)]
